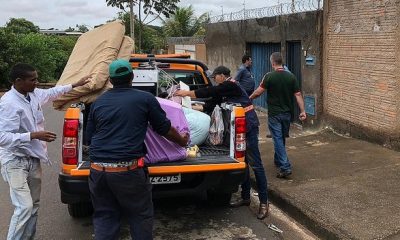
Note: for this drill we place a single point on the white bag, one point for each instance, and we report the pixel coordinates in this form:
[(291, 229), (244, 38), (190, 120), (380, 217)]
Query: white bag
[(216, 136)]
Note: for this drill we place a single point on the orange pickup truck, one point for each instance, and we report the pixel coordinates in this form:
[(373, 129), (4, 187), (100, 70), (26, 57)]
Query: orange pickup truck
[(216, 173)]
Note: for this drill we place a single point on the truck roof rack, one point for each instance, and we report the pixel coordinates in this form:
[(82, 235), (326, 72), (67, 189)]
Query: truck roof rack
[(170, 60)]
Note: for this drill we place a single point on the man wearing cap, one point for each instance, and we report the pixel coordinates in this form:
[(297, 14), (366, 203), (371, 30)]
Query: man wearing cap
[(281, 85), (118, 181), (228, 90), (23, 144)]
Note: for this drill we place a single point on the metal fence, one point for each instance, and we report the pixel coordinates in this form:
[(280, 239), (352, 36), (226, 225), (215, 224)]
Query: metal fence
[(280, 9)]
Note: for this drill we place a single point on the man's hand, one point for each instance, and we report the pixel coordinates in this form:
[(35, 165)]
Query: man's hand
[(44, 136), (82, 81), (198, 107), (184, 141), (182, 93), (302, 116)]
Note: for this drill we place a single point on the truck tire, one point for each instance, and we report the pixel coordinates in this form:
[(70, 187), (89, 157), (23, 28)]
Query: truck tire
[(218, 198), (80, 210)]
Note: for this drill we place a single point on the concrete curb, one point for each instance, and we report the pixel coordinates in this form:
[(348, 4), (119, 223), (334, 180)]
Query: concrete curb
[(278, 199)]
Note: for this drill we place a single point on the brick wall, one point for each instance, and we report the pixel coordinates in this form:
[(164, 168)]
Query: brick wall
[(361, 64)]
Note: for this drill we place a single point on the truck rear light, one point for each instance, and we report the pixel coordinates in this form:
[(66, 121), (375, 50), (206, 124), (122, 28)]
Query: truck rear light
[(240, 137), (70, 141)]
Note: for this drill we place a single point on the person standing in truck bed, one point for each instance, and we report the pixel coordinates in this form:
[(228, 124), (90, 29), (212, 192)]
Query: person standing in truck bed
[(23, 144), (228, 90), (118, 182)]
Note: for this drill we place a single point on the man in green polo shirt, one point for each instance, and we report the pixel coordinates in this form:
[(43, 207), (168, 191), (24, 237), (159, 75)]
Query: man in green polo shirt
[(280, 85)]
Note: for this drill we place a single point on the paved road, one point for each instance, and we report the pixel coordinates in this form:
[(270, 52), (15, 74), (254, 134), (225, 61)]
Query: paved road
[(175, 218)]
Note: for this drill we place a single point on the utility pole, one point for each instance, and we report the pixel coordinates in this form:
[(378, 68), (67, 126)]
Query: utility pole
[(244, 9), (132, 24)]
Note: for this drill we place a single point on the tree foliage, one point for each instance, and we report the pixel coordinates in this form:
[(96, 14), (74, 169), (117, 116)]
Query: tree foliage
[(185, 24), (82, 28), (153, 38), (152, 7), (21, 26), (48, 54)]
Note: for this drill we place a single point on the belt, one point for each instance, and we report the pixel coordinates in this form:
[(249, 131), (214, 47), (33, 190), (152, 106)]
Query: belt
[(248, 108), (117, 167)]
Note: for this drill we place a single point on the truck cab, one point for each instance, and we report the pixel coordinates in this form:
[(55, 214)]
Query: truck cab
[(216, 172)]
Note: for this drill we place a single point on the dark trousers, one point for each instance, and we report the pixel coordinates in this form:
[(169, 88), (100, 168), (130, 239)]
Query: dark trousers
[(124, 193), (253, 159)]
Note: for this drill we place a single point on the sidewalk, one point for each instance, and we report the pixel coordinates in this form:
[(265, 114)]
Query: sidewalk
[(341, 188)]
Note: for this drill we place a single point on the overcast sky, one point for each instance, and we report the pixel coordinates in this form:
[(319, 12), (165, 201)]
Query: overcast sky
[(61, 14)]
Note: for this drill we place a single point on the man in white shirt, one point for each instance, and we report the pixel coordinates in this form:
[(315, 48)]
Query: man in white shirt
[(23, 144)]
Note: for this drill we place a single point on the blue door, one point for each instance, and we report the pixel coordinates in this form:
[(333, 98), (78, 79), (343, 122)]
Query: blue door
[(260, 53), (293, 62)]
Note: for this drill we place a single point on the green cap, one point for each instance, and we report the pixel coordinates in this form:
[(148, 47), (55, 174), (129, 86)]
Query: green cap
[(119, 68)]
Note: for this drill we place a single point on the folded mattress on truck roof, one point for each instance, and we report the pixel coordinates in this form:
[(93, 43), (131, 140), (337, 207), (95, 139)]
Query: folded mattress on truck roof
[(92, 54)]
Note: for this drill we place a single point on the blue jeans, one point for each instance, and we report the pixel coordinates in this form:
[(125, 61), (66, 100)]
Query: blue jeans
[(23, 175), (279, 126), (253, 159)]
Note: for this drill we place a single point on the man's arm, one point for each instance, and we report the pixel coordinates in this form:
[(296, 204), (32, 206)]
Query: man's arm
[(51, 94), (174, 136), (185, 93), (260, 90), (10, 125), (300, 102)]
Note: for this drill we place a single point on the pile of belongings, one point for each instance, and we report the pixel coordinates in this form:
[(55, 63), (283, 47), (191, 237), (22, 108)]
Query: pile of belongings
[(92, 54), (159, 149), (199, 125)]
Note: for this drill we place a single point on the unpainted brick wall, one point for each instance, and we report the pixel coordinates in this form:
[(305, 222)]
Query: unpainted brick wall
[(361, 62)]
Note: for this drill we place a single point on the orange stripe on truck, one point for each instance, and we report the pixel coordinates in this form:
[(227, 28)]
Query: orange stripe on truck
[(72, 113), (168, 170)]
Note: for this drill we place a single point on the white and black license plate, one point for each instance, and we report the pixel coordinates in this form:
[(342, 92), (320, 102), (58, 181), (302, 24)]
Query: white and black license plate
[(169, 179)]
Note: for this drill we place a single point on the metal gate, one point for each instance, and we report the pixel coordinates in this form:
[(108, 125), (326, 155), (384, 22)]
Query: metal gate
[(260, 53), (293, 62)]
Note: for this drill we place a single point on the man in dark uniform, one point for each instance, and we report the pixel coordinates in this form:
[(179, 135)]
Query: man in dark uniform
[(118, 181), (228, 90)]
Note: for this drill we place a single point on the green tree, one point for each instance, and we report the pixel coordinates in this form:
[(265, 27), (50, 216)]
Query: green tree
[(82, 28), (70, 29), (8, 55), (155, 8), (21, 26), (153, 38), (49, 54), (185, 24)]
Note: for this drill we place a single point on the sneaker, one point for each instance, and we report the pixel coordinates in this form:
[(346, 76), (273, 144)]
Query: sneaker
[(284, 174), (239, 203)]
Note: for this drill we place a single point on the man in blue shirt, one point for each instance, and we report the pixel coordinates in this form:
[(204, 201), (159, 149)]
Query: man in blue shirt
[(244, 75), (118, 181)]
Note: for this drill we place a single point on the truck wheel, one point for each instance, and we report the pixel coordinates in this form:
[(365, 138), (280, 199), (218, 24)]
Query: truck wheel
[(218, 198), (81, 209)]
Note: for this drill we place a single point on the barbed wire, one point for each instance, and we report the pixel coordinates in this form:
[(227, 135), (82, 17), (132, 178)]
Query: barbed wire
[(277, 10)]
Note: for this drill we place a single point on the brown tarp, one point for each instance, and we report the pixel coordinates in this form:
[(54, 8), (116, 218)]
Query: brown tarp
[(92, 54)]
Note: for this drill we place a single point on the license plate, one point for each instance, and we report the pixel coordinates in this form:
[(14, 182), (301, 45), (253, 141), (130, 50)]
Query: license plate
[(165, 179)]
